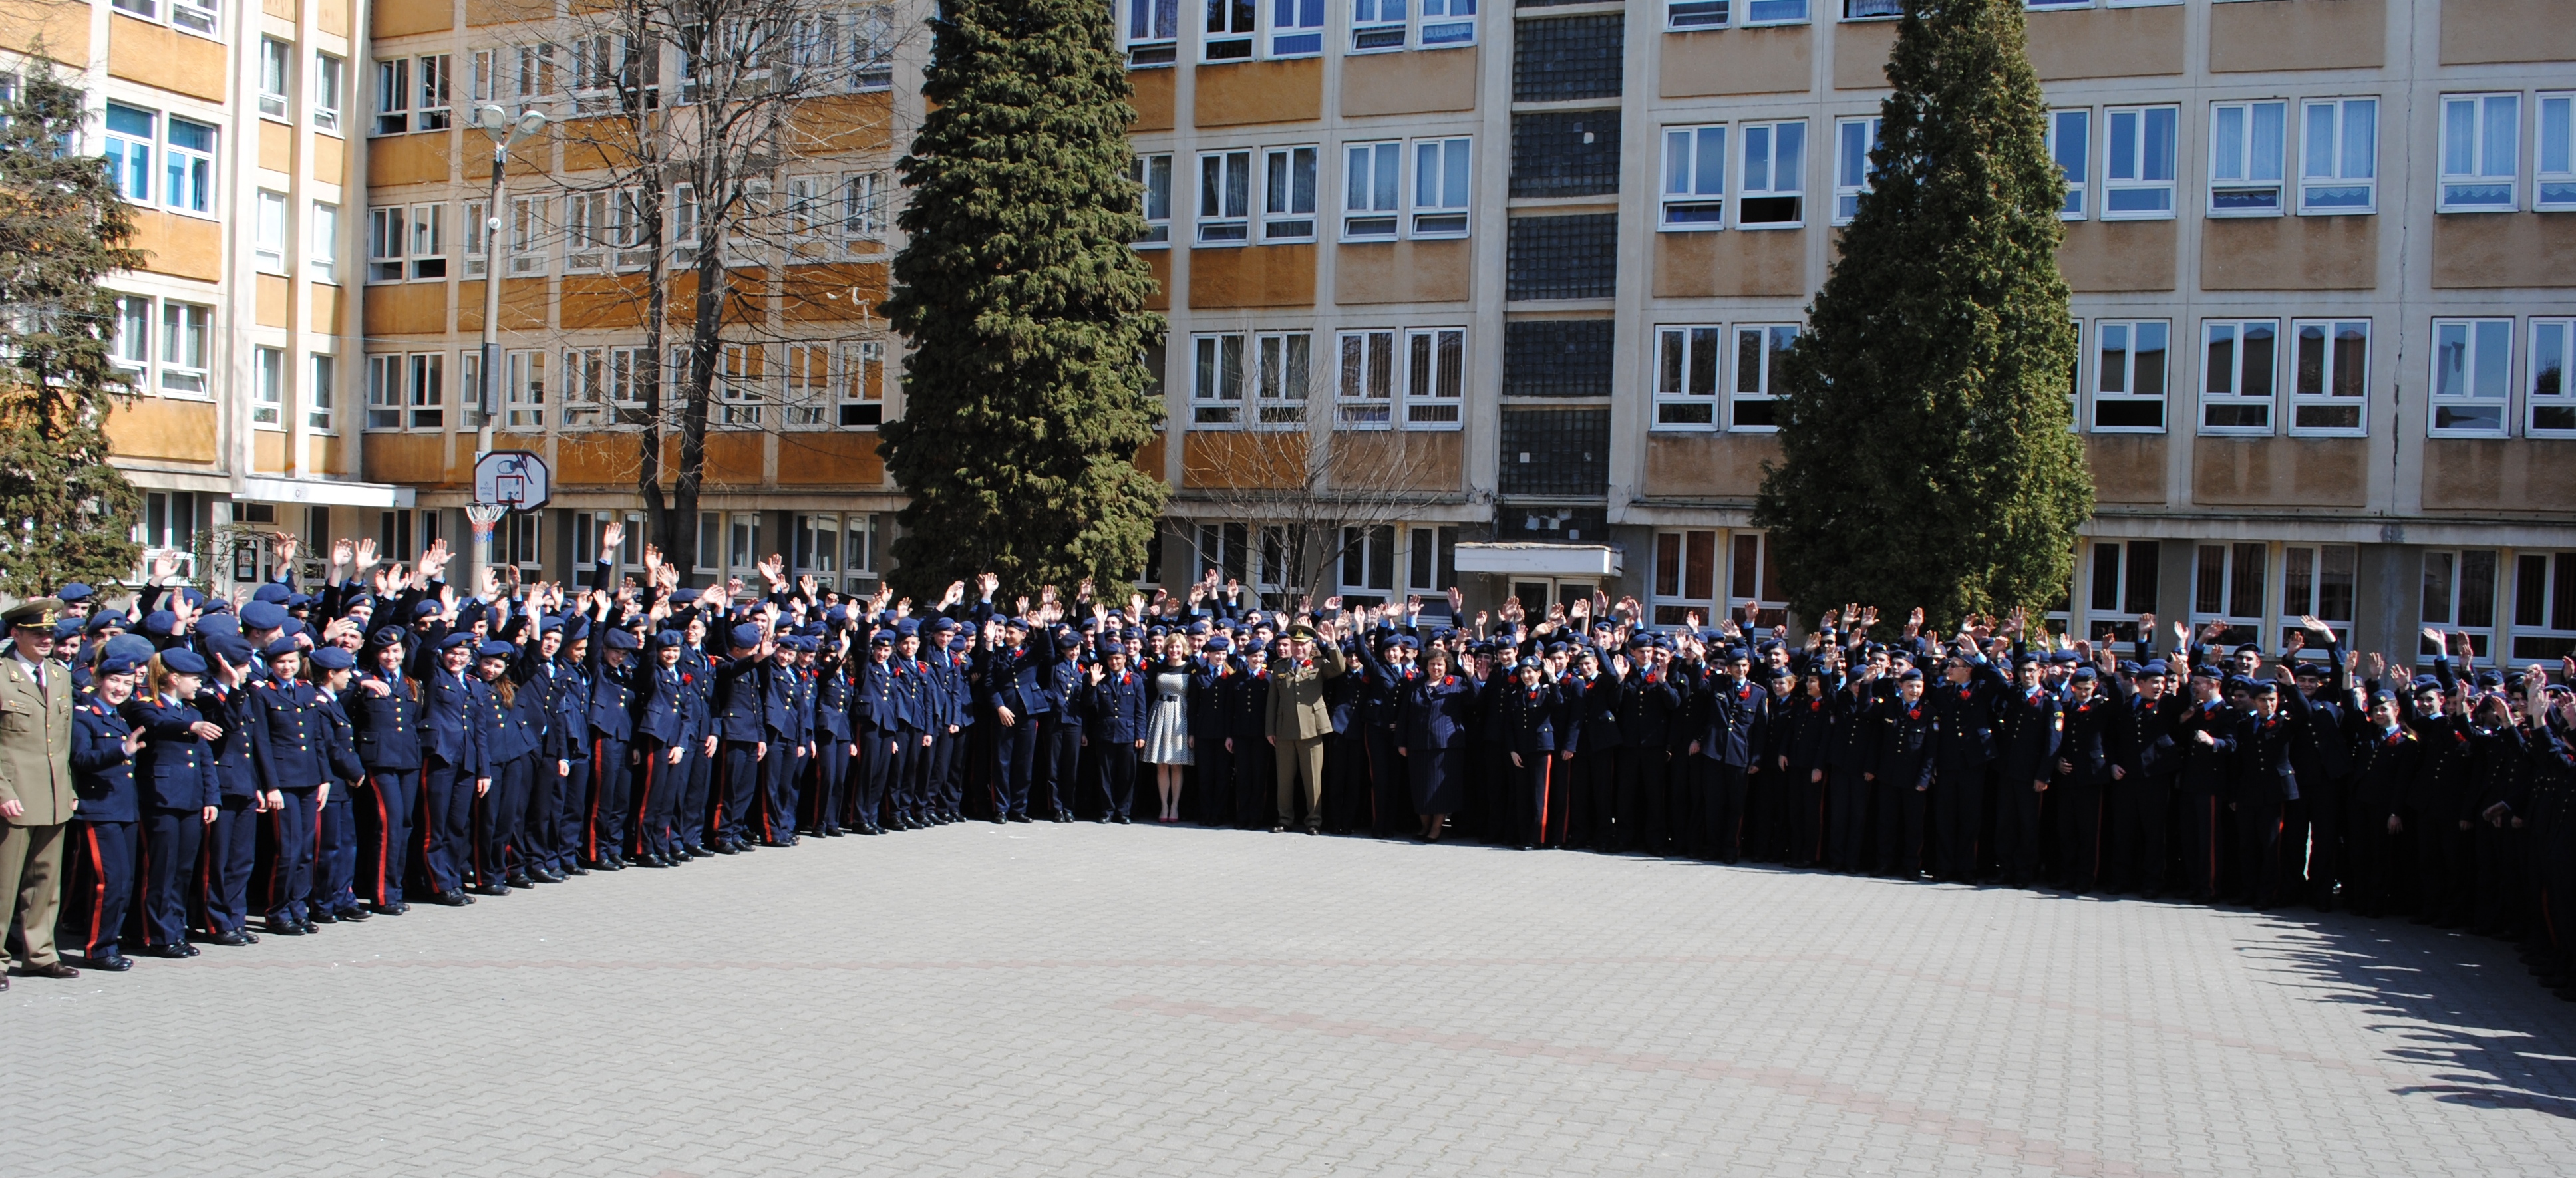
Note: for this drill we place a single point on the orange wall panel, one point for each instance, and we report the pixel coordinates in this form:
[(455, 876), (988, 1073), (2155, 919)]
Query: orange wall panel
[(322, 309), (63, 29), (268, 450), (276, 146), (275, 301), (406, 308), (847, 122), (1252, 276), (400, 18), (832, 293), (606, 301), (418, 460), (817, 459), (181, 246), (168, 430), (164, 58), (1152, 99), (410, 159), (1232, 95), (736, 458), (523, 305)]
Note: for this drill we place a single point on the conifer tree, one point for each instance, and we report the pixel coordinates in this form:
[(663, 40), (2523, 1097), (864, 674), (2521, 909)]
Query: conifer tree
[(1025, 393), (65, 514), (1926, 456)]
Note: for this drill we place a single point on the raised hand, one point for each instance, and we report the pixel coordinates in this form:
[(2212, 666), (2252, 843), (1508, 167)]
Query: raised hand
[(366, 554), (343, 552), (986, 583), (2378, 665), (806, 584), (1457, 601), (287, 547), (612, 536)]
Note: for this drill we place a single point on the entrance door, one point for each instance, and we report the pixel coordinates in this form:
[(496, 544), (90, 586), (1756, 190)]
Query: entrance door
[(1536, 593)]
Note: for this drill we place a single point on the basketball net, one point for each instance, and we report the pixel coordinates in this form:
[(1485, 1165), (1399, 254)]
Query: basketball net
[(484, 517)]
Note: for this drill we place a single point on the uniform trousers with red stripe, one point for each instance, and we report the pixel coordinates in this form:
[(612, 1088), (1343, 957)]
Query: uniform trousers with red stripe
[(230, 850), (657, 799), (1530, 780), (286, 838), (697, 772), (446, 825), (170, 840), (571, 816), (335, 854), (534, 842), (497, 817), (737, 788), (604, 831), (98, 886), (383, 808)]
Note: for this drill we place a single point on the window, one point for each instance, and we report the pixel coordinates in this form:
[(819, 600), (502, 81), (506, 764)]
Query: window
[(1225, 197), (631, 377), (1441, 178), (1872, 9), (816, 551), (584, 391), (268, 232), (526, 242), (2070, 143), (2139, 165), (429, 112), (1152, 31), (872, 48), (384, 392), (1774, 12), (2552, 403), (428, 241), (1435, 381), (385, 240), (131, 348), (586, 231), (2122, 585), (2472, 360), (863, 384), (1686, 367), (1297, 27), (2478, 139), (863, 213), (393, 96), (2544, 606), (1854, 139), (1230, 30), (268, 387), (2460, 596), (147, 9), (2129, 377), (1431, 560), (470, 403), (327, 82), (2339, 150), (1283, 364), (1368, 564), (131, 136), (1154, 174), (1377, 25), (1448, 22), (1370, 183), (1685, 576), (859, 551), (2237, 371), (1367, 393), (1288, 194), (188, 170), (276, 64), (740, 375), (1751, 581), (2227, 586), (2330, 376), (187, 338), (534, 80), (809, 384), (523, 390), (1682, 16), (169, 520), (1757, 356), (2317, 581), (322, 252), (425, 389), (2555, 154), (477, 226), (2245, 152), (1216, 384), (1775, 156)]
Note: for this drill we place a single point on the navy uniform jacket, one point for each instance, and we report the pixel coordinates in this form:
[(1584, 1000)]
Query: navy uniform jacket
[(1648, 701), (662, 705), (2205, 769), (176, 769), (345, 765), (1593, 705), (1380, 700), (2032, 727), (511, 729), (2095, 729), (1852, 746), (782, 705), (1737, 709), (1247, 702), (102, 772), (1965, 715), (235, 775), (2500, 775), (739, 707), (1062, 683), (2152, 742), (877, 708), (612, 697), (1527, 717), (2263, 772), (2442, 777), (289, 736), (1438, 713), (386, 728), (1206, 701), (1906, 742), (1118, 706), (1810, 731), (2384, 769), (1013, 677), (832, 694), (446, 733)]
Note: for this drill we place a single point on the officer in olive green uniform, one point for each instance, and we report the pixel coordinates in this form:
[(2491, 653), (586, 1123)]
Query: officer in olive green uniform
[(35, 779)]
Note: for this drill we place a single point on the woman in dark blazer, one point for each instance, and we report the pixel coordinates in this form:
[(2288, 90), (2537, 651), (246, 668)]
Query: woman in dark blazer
[(1438, 717), (384, 705), (175, 776)]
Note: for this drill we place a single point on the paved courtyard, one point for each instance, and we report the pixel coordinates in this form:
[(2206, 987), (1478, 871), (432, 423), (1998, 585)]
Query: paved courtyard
[(1092, 1000)]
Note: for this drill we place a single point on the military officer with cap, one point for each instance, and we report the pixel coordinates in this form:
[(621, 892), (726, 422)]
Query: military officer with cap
[(35, 778)]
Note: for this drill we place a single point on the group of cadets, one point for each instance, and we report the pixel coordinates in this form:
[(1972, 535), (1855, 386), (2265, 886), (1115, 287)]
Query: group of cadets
[(308, 759)]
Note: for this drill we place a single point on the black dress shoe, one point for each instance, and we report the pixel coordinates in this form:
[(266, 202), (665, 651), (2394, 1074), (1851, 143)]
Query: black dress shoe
[(495, 888), (1019, 817), (352, 915), (111, 962), (452, 898), (323, 916), (57, 971), (1064, 815), (728, 847), (174, 951), (307, 926), (228, 937), (576, 869), (1122, 820), (285, 928), (648, 859), (521, 880)]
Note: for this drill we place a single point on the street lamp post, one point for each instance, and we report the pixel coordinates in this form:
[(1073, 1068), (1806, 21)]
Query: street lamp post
[(505, 132)]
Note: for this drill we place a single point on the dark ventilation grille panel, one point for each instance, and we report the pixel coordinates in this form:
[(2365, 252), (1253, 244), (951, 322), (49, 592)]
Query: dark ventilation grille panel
[(1557, 357), (1565, 153), (1560, 453), (1567, 57), (1562, 257)]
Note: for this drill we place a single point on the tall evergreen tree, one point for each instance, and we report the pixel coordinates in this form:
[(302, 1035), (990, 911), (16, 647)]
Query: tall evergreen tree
[(1026, 391), (65, 514), (1926, 455)]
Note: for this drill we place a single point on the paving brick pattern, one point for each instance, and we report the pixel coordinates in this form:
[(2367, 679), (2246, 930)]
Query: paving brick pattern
[(1140, 1001)]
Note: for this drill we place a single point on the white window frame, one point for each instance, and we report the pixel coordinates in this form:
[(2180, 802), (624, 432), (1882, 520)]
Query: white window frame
[(527, 236), (581, 388), (384, 408), (392, 96), (2331, 181), (1229, 25), (190, 175), (427, 247), (2322, 581), (483, 76), (532, 74), (1751, 580), (1150, 31), (1854, 140), (202, 17), (268, 231), (742, 385), (586, 231), (1691, 16), (523, 390), (2449, 569), (1688, 371), (330, 82), (434, 90), (321, 393), (388, 237), (267, 387), (2249, 149), (2130, 337), (1684, 578), (2226, 579), (2240, 374), (2074, 161), (2323, 342), (1283, 378), (1759, 387), (809, 400), (2549, 401), (1295, 28), (863, 213), (1220, 364), (1759, 13), (631, 373), (1290, 180), (1444, 187), (861, 382), (1444, 24), (2469, 179), (129, 346), (2553, 150), (2469, 354), (133, 163), (187, 350), (1152, 173), (424, 390), (1225, 187), (477, 227), (1380, 26), (1372, 190), (1364, 568), (322, 242), (1778, 144), (276, 78), (2544, 613), (2139, 161), (1435, 378), (469, 390), (1365, 378)]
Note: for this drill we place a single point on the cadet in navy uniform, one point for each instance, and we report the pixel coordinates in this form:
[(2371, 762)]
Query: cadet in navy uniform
[(2090, 758), (611, 724), (1738, 710), (661, 741), (333, 897), (1583, 804), (1851, 756), (739, 717), (179, 793), (99, 886), (513, 723), (290, 745), (1902, 774), (1008, 689), (2386, 764), (833, 745), (1965, 710), (535, 839), (783, 716), (232, 843), (568, 677), (1115, 729), (1212, 761), (1648, 703), (1439, 711), (1060, 736), (383, 706), (454, 768), (2142, 799), (2208, 734), (1526, 714), (2026, 753), (911, 801), (876, 722), (698, 764)]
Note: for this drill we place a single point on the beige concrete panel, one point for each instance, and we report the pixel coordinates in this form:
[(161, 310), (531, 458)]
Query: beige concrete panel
[(322, 309), (2127, 468), (1252, 276), (588, 145), (406, 308), (281, 9), (1236, 94), (1707, 466), (1160, 263), (600, 458), (62, 29), (163, 429), (523, 305), (268, 450), (276, 147), (1399, 460), (2280, 472), (328, 454), (187, 247), (830, 459), (2289, 253), (1861, 50), (736, 458), (164, 58), (1738, 61), (1152, 98), (2475, 31), (330, 159), (2489, 250), (1409, 83), (419, 460), (605, 301), (2106, 43), (1733, 263), (481, 13), (2499, 474), (1403, 272), (332, 16), (847, 122), (412, 159), (1243, 460), (2298, 35), (401, 18), (274, 301), (2100, 256), (833, 293)]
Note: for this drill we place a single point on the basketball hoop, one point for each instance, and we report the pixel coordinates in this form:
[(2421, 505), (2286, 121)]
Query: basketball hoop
[(484, 517)]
